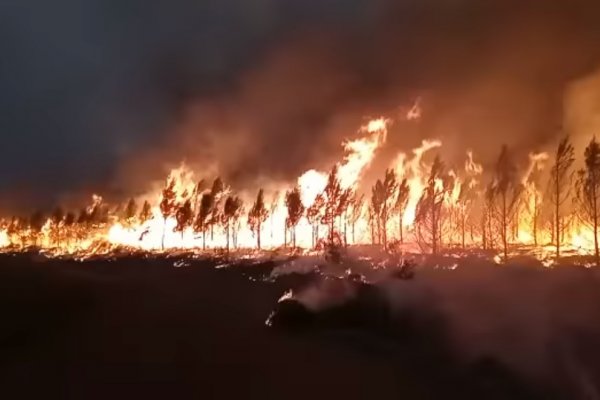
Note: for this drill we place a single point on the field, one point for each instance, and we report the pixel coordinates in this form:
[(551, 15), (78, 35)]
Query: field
[(177, 327)]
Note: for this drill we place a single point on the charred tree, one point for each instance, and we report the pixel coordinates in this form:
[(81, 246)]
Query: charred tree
[(295, 209), (184, 217), (203, 218), (167, 206), (257, 216), (588, 192), (560, 187), (231, 211), (400, 206)]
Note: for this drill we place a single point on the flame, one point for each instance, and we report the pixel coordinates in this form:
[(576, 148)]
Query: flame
[(101, 228)]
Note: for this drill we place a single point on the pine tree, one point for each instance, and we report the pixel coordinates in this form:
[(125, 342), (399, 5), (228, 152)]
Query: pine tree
[(295, 208), (231, 211), (560, 186), (401, 204), (146, 212), (203, 218), (167, 206), (314, 214), (428, 213), (183, 216), (588, 192), (257, 216), (130, 212), (388, 189)]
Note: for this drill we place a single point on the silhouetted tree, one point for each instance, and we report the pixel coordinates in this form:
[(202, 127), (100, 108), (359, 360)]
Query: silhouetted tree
[(560, 186), (167, 206), (57, 219), (36, 223), (314, 214), (69, 221), (257, 216), (388, 188), (218, 191), (146, 212), (203, 218), (295, 208), (231, 211), (428, 214), (130, 212), (400, 206), (588, 192), (356, 212), (184, 217), (333, 194), (377, 200), (506, 190)]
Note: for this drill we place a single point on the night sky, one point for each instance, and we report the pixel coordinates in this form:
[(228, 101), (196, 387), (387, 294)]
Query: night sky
[(86, 85)]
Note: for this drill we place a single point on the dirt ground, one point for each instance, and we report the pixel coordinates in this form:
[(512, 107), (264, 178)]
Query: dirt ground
[(139, 328)]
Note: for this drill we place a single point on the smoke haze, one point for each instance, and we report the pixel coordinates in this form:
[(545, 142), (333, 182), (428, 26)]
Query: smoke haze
[(103, 96)]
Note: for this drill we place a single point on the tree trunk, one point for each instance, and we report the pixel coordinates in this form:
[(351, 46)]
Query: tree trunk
[(204, 239), (162, 243), (258, 236), (557, 216), (227, 233), (294, 236), (400, 227), (504, 227)]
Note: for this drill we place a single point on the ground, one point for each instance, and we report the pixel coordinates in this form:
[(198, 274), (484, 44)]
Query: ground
[(138, 327)]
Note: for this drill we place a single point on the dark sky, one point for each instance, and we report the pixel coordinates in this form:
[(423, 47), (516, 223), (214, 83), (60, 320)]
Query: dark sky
[(86, 85)]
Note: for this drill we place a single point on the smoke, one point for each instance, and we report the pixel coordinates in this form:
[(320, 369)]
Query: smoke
[(541, 324), (256, 89)]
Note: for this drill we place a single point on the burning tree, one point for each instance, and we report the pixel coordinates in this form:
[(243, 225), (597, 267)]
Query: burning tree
[(387, 188), (428, 214), (314, 214), (588, 192), (333, 200), (203, 218), (231, 212), (167, 206), (130, 212), (36, 223), (356, 212), (146, 212), (257, 216), (68, 222), (57, 221), (295, 209), (377, 200), (504, 195), (533, 193), (560, 187), (400, 206), (184, 217), (217, 192)]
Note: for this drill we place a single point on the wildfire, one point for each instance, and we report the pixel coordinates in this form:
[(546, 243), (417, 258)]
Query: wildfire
[(421, 204)]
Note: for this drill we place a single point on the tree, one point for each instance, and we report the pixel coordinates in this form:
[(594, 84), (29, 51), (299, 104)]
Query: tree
[(388, 189), (588, 192), (295, 208), (400, 206), (57, 220), (69, 221), (167, 206), (130, 212), (257, 216), (146, 212), (377, 200), (333, 195), (314, 214), (231, 212), (356, 212), (428, 214), (36, 223), (560, 186), (183, 216), (217, 191), (505, 190), (202, 219)]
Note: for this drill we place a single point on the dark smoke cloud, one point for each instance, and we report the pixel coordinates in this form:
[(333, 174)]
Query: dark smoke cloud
[(105, 95)]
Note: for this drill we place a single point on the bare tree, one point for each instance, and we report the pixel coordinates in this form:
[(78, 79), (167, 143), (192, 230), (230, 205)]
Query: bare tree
[(588, 191), (560, 186), (388, 188), (401, 204), (295, 208), (428, 214), (506, 191), (333, 195), (167, 206)]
